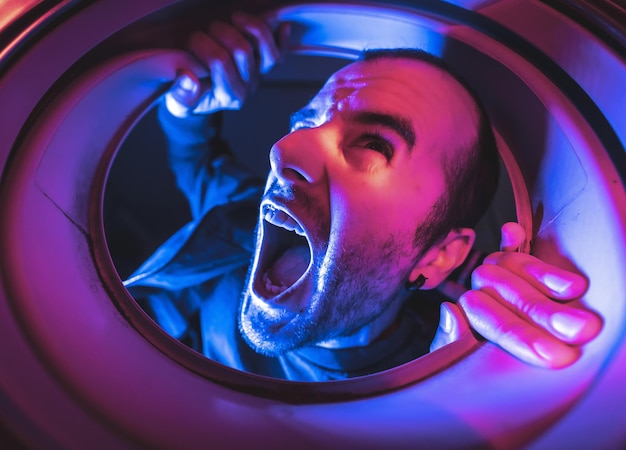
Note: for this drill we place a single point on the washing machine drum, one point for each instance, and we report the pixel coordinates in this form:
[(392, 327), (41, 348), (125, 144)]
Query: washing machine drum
[(83, 366)]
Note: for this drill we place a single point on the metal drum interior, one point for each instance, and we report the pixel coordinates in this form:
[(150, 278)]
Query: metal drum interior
[(83, 367)]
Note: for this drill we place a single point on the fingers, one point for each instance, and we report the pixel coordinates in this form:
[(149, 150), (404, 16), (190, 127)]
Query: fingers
[(184, 94), (452, 325), (512, 305), (249, 43), (236, 55), (228, 90), (496, 323), (512, 237), (259, 32), (569, 324), (237, 46), (550, 280)]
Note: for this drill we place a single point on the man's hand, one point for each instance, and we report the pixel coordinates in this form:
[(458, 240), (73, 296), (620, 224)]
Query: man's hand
[(518, 303), (234, 55)]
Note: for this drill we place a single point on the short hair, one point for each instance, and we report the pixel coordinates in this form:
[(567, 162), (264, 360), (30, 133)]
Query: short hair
[(471, 176)]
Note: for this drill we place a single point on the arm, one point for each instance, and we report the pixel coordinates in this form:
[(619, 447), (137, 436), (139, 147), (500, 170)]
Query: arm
[(234, 55), (520, 303), (195, 151)]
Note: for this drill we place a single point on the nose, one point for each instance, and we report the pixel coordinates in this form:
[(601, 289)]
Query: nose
[(298, 158)]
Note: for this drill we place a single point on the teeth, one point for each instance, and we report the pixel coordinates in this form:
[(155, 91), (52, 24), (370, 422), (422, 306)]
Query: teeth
[(282, 219), (271, 287)]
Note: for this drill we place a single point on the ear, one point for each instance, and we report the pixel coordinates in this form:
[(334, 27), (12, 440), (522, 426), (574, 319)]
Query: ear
[(443, 258)]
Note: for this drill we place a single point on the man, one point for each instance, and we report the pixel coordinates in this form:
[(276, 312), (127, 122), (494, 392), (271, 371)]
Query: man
[(371, 197)]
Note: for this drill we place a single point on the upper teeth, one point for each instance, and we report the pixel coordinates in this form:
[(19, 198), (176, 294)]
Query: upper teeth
[(280, 218)]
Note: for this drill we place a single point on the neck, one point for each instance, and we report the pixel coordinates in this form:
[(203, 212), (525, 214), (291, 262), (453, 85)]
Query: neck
[(365, 335)]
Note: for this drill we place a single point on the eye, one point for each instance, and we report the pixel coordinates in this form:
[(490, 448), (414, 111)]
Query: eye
[(376, 142)]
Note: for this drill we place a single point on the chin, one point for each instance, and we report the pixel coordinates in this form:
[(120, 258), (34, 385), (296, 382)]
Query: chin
[(271, 330)]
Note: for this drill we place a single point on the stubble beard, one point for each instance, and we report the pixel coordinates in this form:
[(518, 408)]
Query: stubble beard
[(354, 287)]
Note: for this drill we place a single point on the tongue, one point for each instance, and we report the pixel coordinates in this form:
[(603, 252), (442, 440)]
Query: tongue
[(289, 266)]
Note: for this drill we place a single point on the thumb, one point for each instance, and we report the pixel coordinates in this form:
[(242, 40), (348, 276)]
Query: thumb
[(452, 325), (512, 237), (183, 95)]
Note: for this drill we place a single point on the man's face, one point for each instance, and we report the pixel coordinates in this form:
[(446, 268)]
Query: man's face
[(349, 186)]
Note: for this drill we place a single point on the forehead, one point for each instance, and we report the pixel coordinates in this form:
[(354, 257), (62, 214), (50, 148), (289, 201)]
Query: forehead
[(395, 75), (425, 94)]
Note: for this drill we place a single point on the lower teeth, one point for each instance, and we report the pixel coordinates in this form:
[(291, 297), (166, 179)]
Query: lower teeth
[(271, 287)]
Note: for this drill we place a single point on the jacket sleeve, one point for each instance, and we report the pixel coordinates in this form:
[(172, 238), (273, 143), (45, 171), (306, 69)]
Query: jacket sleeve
[(202, 162)]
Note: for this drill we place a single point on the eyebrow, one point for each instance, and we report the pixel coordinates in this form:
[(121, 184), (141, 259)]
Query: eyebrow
[(302, 116), (400, 125)]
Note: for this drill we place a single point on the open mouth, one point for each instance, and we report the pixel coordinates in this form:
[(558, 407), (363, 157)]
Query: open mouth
[(285, 254)]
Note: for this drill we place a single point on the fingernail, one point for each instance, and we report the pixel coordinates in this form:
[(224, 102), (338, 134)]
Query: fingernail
[(446, 322), (186, 84), (568, 324), (556, 283)]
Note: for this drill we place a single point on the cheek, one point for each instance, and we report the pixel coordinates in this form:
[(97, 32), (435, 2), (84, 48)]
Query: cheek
[(365, 221), (384, 202), (354, 208), (414, 199)]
